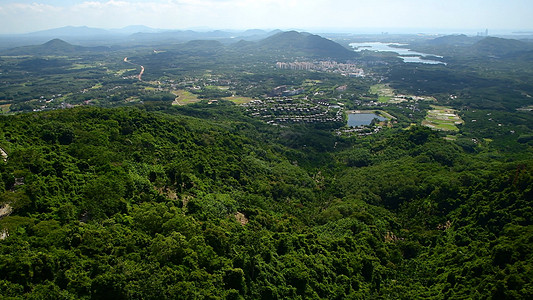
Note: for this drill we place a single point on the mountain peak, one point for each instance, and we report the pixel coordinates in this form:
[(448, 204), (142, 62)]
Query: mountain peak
[(57, 43), (306, 44)]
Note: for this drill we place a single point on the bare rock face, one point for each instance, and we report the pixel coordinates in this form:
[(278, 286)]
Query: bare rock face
[(241, 218), (5, 210), (4, 234)]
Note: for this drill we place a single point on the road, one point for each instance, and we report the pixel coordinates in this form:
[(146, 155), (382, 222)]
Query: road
[(142, 68)]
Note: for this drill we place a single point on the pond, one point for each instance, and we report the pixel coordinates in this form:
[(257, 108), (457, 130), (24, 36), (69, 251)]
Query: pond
[(355, 120)]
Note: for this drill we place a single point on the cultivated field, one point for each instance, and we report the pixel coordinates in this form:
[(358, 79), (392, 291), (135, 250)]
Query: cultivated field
[(239, 100), (184, 97), (442, 118), (384, 92)]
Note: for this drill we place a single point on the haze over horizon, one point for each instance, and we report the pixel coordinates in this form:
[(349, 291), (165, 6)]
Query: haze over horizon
[(401, 16)]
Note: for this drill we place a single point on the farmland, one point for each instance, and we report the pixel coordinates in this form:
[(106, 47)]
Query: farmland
[(442, 118)]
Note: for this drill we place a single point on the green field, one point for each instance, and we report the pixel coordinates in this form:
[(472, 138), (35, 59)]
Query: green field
[(121, 72), (4, 108), (239, 100), (184, 97), (384, 92), (442, 118), (384, 99)]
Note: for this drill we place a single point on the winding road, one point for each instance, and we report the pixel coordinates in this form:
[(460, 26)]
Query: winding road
[(142, 68)]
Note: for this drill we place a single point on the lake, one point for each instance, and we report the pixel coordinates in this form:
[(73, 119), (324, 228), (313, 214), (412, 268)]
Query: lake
[(355, 120), (407, 55)]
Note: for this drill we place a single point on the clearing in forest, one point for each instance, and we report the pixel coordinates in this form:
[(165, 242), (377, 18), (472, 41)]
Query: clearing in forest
[(184, 97), (384, 92), (442, 118), (4, 108), (239, 100)]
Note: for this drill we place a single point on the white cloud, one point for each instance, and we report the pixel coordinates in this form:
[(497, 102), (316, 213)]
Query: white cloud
[(221, 14)]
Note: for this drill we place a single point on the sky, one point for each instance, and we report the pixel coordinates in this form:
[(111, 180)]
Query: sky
[(395, 16)]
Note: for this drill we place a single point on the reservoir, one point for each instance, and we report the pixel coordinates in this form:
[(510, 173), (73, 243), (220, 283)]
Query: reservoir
[(407, 55), (355, 120)]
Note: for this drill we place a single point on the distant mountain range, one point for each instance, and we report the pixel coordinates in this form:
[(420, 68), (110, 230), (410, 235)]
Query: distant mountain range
[(84, 31), (290, 43), (277, 42), (476, 46), (70, 31), (129, 36)]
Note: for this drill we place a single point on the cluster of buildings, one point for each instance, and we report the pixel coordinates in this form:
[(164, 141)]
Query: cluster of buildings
[(359, 130), (284, 91), (276, 111), (347, 69)]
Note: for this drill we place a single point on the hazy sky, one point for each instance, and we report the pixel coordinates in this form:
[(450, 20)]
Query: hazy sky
[(392, 15)]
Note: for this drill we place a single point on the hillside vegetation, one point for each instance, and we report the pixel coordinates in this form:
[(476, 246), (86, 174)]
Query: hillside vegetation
[(200, 201)]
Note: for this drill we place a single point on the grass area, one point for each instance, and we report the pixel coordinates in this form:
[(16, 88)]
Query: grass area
[(385, 114), (442, 118), (79, 67), (97, 86), (64, 97), (450, 137), (385, 93), (382, 90), (4, 108), (310, 82), (184, 97), (82, 66), (384, 99), (238, 100), (133, 99), (429, 98), (526, 108), (121, 72)]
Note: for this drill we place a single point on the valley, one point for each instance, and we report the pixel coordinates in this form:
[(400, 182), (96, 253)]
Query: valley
[(216, 168)]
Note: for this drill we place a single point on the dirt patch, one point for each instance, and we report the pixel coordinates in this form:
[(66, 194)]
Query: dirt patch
[(241, 218), (4, 234), (5, 210), (185, 200), (167, 192), (3, 153), (391, 237)]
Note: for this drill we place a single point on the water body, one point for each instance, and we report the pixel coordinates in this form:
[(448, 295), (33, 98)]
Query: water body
[(355, 120), (407, 55)]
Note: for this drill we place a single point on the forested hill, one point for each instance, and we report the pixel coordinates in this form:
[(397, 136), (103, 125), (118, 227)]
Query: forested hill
[(203, 202), (306, 44), (499, 46), (53, 47), (278, 44)]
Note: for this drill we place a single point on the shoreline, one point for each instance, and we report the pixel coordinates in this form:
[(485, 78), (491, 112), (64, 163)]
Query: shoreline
[(376, 111)]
